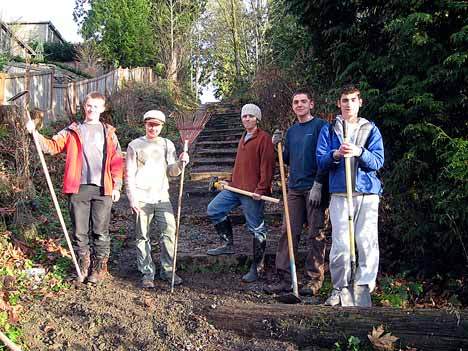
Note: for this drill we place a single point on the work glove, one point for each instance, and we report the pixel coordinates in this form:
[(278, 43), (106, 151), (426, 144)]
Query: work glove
[(30, 126), (315, 195), (277, 137), (115, 195)]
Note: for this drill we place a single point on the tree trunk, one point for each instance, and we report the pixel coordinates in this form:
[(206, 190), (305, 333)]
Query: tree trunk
[(308, 325)]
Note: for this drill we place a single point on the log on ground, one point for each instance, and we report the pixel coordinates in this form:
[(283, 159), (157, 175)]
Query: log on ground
[(307, 325)]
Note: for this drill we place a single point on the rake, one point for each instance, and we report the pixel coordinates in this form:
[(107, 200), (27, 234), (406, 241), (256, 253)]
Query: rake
[(189, 125)]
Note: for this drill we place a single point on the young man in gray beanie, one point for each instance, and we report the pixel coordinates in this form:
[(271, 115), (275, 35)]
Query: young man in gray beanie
[(253, 171), (150, 160)]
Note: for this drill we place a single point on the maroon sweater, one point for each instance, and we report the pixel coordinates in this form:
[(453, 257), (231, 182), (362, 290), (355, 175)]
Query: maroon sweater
[(255, 162)]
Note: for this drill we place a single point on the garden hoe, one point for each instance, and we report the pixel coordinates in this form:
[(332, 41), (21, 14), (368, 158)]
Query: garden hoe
[(352, 295), (51, 187), (179, 206), (294, 297)]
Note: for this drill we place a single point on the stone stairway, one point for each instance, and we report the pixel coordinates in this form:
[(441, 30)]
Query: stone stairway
[(215, 148)]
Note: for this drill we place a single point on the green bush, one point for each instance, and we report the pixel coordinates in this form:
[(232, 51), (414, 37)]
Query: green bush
[(62, 52), (429, 193)]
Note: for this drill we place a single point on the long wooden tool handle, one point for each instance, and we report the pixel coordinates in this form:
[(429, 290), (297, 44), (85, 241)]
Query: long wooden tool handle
[(292, 262), (349, 198), (248, 193), (8, 343), (179, 206), (54, 198)]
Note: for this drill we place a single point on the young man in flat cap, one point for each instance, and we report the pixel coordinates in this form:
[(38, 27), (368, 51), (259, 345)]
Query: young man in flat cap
[(253, 171), (150, 160)]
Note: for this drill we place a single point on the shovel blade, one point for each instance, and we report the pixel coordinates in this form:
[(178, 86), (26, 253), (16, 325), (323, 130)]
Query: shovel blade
[(347, 297), (362, 297), (289, 299)]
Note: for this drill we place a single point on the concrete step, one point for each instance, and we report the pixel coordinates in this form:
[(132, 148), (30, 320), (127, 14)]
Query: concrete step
[(217, 137), (199, 173), (218, 144), (223, 131), (216, 152), (199, 161)]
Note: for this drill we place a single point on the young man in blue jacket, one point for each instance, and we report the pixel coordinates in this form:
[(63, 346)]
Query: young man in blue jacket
[(365, 147)]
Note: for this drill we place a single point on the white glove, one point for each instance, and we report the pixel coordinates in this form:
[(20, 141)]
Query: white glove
[(315, 195), (277, 137), (115, 195), (30, 126)]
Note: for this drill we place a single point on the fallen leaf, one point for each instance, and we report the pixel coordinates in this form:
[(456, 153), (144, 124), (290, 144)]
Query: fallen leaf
[(381, 341)]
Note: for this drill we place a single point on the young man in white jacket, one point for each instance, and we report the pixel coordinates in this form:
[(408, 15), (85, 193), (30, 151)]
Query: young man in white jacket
[(150, 160)]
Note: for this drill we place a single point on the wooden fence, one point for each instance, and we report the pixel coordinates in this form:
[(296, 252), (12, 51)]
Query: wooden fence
[(60, 100)]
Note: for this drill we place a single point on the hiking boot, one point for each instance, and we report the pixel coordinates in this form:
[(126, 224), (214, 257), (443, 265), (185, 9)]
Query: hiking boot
[(283, 286), (259, 246), (99, 270), (334, 299), (147, 283), (310, 288), (167, 276), (84, 261), (224, 230)]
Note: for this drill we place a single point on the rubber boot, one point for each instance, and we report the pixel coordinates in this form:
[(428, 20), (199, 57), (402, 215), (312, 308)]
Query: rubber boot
[(224, 230), (257, 261), (99, 270), (84, 261)]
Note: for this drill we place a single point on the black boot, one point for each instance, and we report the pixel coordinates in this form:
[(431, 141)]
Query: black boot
[(257, 262), (224, 230)]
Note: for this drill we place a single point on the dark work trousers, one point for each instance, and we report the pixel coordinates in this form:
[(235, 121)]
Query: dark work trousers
[(90, 216), (301, 212)]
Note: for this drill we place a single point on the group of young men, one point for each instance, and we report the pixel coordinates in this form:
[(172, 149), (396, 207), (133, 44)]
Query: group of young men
[(314, 150)]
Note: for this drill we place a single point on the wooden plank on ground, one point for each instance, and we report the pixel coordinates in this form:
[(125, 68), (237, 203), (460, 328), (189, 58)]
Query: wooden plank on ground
[(307, 325)]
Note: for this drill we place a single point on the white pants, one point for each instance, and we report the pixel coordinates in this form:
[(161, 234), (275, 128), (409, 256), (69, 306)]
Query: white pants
[(366, 209)]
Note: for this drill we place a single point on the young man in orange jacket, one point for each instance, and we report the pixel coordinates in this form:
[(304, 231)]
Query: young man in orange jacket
[(92, 179)]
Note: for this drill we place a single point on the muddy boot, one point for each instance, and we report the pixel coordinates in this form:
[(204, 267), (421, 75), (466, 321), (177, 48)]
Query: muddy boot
[(283, 285), (257, 261), (99, 270), (84, 261), (311, 288), (224, 230)]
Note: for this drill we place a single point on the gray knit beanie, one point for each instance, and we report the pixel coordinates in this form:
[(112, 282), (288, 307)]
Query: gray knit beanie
[(251, 109)]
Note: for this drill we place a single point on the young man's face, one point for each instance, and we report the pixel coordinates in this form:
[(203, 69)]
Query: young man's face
[(153, 128), (249, 122), (302, 105), (93, 109), (349, 105)]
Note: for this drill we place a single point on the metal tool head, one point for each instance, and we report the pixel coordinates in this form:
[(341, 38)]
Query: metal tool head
[(212, 187), (362, 297), (289, 298), (347, 297), (18, 95)]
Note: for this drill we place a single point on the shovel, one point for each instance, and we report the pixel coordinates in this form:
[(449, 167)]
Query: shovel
[(294, 297), (179, 206), (51, 188), (352, 295)]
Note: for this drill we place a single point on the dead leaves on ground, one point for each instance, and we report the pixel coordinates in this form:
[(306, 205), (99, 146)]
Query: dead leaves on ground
[(381, 341)]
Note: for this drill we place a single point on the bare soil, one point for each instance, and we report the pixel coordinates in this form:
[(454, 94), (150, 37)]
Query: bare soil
[(119, 315)]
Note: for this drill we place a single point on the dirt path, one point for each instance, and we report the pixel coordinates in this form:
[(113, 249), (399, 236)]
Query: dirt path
[(119, 315)]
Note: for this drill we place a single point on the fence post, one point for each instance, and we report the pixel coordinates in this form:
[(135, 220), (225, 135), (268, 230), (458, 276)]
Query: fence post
[(2, 87)]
